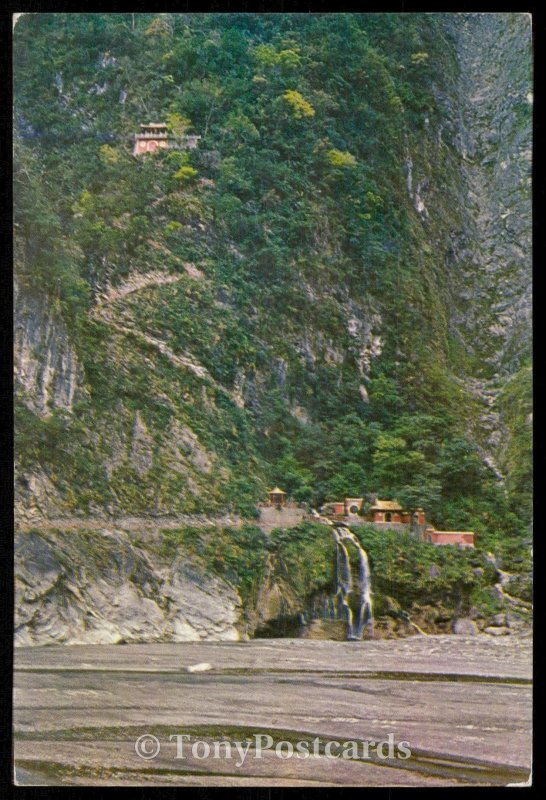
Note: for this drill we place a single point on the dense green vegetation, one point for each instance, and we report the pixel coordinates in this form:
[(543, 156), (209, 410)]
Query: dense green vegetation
[(302, 555), (236, 554), (294, 211), (405, 570)]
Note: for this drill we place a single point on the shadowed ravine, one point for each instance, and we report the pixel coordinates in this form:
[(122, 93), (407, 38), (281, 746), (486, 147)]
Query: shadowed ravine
[(463, 704)]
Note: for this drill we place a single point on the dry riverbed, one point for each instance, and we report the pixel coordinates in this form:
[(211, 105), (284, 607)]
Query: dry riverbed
[(462, 704)]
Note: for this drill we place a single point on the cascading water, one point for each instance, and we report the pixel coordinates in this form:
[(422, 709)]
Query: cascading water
[(353, 592)]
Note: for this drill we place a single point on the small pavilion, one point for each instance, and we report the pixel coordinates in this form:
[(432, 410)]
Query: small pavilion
[(277, 497)]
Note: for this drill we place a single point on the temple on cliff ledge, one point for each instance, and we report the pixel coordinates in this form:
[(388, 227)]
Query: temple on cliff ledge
[(155, 136), (390, 515), (277, 497)]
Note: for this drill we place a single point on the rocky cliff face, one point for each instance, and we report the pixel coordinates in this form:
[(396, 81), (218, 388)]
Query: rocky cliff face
[(99, 587), (113, 585), (47, 370), (489, 260), (493, 253), (465, 183)]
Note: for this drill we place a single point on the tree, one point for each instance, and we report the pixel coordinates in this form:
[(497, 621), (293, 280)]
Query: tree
[(301, 108), (340, 159)]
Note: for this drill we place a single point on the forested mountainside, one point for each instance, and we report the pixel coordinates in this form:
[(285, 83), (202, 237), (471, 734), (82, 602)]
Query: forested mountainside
[(331, 292)]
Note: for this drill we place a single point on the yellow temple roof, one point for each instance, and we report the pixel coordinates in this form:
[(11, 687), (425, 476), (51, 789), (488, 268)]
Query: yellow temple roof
[(386, 505)]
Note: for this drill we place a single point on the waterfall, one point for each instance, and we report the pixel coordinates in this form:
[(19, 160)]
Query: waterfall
[(353, 594)]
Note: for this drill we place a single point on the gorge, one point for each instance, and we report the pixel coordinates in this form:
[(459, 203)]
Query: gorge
[(261, 250), (330, 290)]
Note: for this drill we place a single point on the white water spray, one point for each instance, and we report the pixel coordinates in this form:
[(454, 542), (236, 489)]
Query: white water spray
[(353, 593)]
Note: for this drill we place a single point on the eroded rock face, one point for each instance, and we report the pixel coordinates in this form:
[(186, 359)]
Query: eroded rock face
[(276, 601), (489, 258), (46, 366), (36, 497), (186, 447), (202, 605), (494, 139), (141, 447), (99, 587)]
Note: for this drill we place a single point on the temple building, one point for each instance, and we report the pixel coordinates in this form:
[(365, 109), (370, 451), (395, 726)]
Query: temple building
[(151, 137), (419, 516), (384, 514), (155, 136), (386, 511), (390, 511), (390, 515), (350, 507), (353, 506), (277, 497)]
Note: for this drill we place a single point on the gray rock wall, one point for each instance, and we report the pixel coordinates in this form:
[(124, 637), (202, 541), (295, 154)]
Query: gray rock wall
[(286, 517), (492, 254), (46, 367), (99, 587)]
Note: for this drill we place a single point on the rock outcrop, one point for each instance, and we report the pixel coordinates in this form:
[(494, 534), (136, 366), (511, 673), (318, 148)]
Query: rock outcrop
[(99, 587), (47, 371), (494, 140), (464, 627), (489, 258)]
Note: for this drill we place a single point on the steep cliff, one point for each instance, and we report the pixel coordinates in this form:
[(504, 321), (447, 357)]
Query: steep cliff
[(99, 587), (332, 291), (115, 583), (493, 252), (494, 102)]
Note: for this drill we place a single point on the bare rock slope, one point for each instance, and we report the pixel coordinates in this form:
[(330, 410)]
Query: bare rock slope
[(99, 587)]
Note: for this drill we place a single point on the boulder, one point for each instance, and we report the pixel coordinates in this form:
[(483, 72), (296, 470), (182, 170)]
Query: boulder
[(203, 666), (501, 631), (515, 622), (464, 627)]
